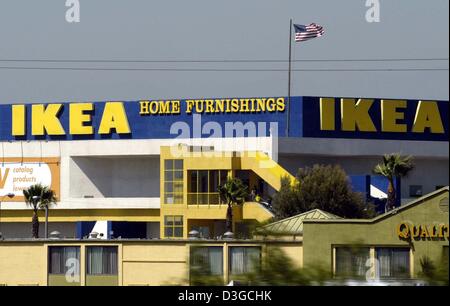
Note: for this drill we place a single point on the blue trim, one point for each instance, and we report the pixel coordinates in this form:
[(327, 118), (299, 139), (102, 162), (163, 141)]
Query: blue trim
[(84, 228), (108, 229)]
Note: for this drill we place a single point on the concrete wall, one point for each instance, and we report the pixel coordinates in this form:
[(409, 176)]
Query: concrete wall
[(114, 177), (155, 264), (362, 147), (118, 173), (429, 172), (23, 264), (105, 168)]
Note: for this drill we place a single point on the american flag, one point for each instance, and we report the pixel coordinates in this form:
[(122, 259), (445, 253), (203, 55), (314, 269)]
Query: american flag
[(307, 32)]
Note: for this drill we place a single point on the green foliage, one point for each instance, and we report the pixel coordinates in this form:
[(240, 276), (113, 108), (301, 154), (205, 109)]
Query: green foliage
[(233, 191), (437, 275), (394, 165), (320, 187), (279, 270), (200, 273), (199, 277), (46, 197), (45, 194)]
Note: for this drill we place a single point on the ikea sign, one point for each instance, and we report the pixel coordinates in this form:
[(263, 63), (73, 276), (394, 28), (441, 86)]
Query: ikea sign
[(375, 118), (319, 117)]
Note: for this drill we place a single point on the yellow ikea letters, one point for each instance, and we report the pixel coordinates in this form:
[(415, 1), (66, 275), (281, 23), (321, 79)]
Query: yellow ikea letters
[(327, 110), (356, 116), (18, 120), (114, 117), (428, 116), (45, 119), (390, 116), (78, 118)]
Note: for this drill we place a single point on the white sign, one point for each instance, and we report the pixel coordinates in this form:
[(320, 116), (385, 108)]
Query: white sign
[(15, 177)]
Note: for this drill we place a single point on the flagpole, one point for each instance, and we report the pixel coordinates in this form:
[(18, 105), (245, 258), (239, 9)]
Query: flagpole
[(289, 79)]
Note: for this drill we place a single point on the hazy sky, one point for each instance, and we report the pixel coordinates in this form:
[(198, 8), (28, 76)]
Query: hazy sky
[(220, 30)]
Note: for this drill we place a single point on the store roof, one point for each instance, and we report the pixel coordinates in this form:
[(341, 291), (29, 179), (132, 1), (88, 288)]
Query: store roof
[(294, 225)]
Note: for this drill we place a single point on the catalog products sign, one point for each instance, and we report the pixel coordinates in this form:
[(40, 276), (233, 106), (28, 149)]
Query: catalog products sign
[(17, 175)]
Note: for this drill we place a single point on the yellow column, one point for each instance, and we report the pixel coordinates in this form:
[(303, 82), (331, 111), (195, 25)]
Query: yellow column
[(83, 265), (226, 275)]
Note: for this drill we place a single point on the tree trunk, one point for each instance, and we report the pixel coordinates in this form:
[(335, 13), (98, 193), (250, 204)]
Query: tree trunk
[(390, 204), (229, 218), (35, 225)]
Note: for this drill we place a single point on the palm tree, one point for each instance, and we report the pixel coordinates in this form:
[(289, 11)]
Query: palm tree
[(233, 191), (393, 166), (38, 197)]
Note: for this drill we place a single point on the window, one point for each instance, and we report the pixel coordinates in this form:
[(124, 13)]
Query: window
[(351, 261), (101, 260), (173, 226), (173, 181), (61, 259), (415, 191), (393, 262), (443, 204), (244, 259), (204, 231), (203, 186), (207, 260)]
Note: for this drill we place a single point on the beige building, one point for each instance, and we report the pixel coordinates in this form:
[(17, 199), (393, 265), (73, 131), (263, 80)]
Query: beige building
[(393, 246)]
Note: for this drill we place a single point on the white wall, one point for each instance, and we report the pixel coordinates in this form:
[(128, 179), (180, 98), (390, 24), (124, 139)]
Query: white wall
[(125, 173), (108, 177)]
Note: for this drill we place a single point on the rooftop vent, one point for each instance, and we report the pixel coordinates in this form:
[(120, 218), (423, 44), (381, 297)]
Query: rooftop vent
[(55, 235), (194, 234), (228, 235), (93, 235)]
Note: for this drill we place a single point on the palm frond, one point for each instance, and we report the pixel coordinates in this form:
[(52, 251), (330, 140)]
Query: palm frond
[(46, 196), (233, 191), (394, 165)]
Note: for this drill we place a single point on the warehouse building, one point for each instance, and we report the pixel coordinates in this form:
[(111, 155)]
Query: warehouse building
[(150, 169)]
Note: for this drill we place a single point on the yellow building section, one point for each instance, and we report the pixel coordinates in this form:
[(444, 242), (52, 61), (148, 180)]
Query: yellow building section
[(183, 208), (265, 167), (181, 197), (255, 211), (76, 215), (139, 263)]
